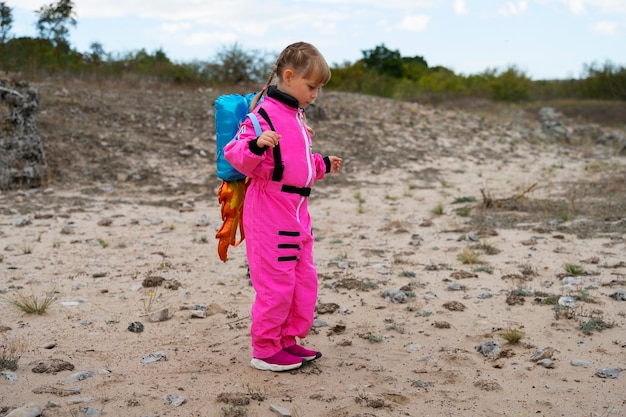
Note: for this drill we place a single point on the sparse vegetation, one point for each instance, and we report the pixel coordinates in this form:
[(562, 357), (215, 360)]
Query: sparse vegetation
[(465, 199), (438, 210), (463, 212), (10, 352), (512, 336), (596, 324), (573, 269), (360, 201), (470, 256), (487, 248), (149, 301), (32, 303)]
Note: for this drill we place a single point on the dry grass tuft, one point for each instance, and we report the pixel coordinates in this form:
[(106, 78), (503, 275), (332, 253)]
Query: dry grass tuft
[(33, 304), (10, 352)]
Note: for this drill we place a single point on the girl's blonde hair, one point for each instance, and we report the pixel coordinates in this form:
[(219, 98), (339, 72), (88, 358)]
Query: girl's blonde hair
[(304, 59)]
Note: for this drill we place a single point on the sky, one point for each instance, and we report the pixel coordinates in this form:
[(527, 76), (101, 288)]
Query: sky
[(544, 39)]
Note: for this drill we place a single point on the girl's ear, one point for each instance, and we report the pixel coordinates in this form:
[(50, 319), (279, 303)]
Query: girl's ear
[(288, 75)]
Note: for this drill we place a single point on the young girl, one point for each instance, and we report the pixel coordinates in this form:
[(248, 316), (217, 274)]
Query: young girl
[(276, 219)]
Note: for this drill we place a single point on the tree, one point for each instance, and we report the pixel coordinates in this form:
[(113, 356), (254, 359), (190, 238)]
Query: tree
[(54, 20), (384, 61), (6, 21), (414, 67), (233, 65)]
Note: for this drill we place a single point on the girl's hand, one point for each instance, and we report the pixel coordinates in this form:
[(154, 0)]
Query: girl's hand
[(335, 164), (268, 139)]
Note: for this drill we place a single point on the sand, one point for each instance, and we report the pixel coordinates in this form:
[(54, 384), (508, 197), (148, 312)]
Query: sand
[(384, 226)]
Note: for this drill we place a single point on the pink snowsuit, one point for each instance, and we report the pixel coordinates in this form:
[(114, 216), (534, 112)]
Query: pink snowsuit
[(277, 224)]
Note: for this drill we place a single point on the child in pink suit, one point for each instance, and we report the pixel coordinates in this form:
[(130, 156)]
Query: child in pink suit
[(276, 219)]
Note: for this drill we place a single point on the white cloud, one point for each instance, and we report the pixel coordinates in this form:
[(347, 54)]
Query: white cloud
[(207, 38), (606, 28), (576, 6), (608, 6), (417, 23), (460, 7), (513, 8), (579, 7)]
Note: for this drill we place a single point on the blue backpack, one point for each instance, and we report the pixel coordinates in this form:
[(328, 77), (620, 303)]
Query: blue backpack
[(230, 111)]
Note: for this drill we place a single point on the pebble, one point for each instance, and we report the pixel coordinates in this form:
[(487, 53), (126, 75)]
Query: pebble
[(608, 372), (281, 411), (395, 296), (154, 357), (540, 354), (135, 327), (578, 362), (30, 410), (194, 306), (455, 286), (619, 295), (161, 315), (173, 399), (81, 376), (202, 221), (9, 376), (489, 348), (90, 411), (568, 301), (546, 363), (73, 401), (197, 314)]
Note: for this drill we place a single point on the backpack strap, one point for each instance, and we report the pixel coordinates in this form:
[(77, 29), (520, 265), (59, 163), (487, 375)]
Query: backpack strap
[(255, 123), (279, 167)]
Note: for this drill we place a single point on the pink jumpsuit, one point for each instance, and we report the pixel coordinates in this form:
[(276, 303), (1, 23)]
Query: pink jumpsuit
[(277, 224)]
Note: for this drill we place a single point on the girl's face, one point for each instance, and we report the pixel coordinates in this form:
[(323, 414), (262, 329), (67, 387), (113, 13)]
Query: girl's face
[(302, 89)]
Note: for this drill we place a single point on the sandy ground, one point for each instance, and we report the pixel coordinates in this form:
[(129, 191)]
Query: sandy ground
[(379, 231)]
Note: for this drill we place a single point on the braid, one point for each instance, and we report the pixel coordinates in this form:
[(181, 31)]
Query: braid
[(258, 96)]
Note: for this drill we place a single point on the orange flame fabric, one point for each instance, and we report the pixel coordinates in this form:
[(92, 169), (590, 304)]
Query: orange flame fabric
[(231, 195)]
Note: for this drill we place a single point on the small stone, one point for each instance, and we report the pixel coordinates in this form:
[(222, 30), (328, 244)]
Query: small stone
[(9, 376), (194, 306), (30, 410), (489, 348), (281, 411), (545, 353), (568, 301), (197, 314), (21, 222), (161, 315), (395, 296), (173, 399), (81, 376), (154, 357), (135, 327), (578, 362), (546, 363), (609, 372), (319, 323), (90, 411), (105, 222), (619, 295)]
